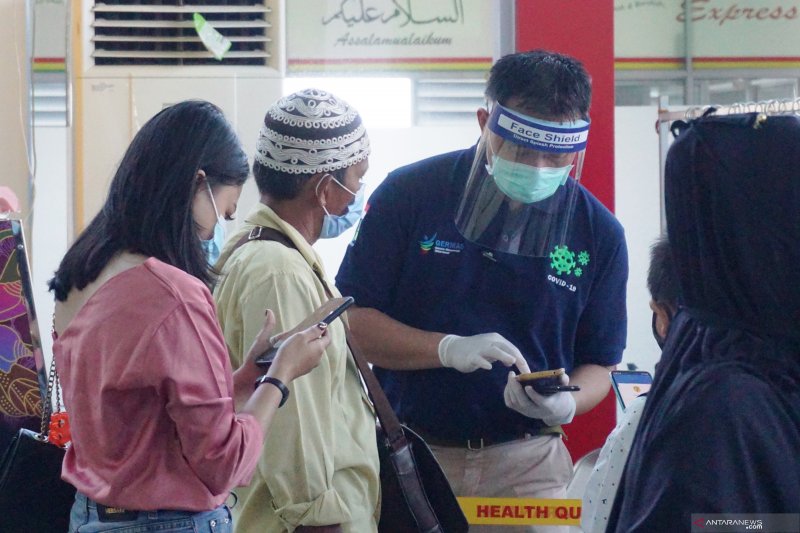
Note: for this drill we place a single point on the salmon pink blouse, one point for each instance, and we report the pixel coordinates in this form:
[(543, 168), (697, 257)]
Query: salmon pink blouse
[(148, 387)]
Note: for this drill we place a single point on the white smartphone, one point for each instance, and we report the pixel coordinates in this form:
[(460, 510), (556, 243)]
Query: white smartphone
[(628, 384)]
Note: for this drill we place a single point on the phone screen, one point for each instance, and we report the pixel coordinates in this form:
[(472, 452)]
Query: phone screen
[(628, 384)]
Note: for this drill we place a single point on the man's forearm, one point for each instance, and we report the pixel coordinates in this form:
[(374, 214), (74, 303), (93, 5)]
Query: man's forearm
[(594, 383), (391, 344)]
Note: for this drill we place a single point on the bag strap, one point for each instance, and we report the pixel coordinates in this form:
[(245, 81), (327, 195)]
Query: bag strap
[(47, 400), (53, 387), (388, 419), (263, 233)]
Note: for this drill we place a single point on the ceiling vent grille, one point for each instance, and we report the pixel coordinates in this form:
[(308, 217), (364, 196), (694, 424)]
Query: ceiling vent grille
[(161, 32), (448, 101)]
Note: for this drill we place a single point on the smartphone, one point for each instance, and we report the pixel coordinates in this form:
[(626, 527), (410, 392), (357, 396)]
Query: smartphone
[(546, 381), (326, 313), (552, 389), (628, 384)]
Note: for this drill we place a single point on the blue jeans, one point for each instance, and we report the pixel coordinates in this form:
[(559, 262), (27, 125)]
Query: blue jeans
[(84, 518)]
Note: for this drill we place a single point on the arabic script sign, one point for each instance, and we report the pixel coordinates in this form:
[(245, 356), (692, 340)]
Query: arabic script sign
[(389, 35)]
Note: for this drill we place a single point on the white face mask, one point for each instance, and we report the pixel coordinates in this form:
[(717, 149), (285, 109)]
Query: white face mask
[(213, 246), (335, 225)]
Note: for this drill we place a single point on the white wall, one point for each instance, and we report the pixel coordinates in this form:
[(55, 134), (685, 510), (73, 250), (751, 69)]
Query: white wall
[(13, 102), (50, 227), (636, 160)]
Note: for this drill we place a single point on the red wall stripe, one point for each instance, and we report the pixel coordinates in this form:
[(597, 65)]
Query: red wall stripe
[(584, 30)]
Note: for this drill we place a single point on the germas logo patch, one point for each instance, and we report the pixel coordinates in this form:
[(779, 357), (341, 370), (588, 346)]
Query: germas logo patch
[(439, 246), (426, 244)]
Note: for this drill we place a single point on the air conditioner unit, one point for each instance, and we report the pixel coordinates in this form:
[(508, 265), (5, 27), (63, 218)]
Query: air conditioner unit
[(131, 58)]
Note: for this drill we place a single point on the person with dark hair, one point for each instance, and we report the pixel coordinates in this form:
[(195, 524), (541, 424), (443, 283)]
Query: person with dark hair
[(492, 254), (720, 433), (319, 469), (601, 487), (161, 428), (662, 282)]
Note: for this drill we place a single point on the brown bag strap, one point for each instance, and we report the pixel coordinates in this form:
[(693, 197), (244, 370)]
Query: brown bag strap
[(263, 233), (388, 419)]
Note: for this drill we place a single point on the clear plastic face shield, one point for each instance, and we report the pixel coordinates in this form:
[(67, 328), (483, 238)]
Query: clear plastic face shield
[(521, 191)]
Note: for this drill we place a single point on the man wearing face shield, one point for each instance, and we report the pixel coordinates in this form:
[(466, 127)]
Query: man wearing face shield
[(517, 198), (320, 465), (495, 254)]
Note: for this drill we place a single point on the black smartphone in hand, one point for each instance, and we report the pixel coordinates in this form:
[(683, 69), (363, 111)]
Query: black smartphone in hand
[(326, 313), (546, 381), (556, 388)]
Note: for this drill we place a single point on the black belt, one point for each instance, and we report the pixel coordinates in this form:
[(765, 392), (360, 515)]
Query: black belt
[(478, 443)]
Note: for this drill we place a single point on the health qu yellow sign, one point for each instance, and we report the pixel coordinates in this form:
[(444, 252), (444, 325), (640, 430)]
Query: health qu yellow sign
[(521, 511)]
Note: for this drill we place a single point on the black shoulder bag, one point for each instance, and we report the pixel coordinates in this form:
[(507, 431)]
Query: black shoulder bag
[(33, 497)]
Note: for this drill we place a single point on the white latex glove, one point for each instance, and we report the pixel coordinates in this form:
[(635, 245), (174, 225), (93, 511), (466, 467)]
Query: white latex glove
[(467, 354), (553, 409)]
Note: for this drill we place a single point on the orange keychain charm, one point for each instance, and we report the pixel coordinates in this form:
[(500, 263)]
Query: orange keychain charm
[(59, 429)]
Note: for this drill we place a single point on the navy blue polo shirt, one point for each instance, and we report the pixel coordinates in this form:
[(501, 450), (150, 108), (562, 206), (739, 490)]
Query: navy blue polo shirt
[(409, 261)]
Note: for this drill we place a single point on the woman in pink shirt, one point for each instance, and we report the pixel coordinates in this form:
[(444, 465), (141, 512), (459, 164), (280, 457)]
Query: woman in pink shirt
[(161, 427)]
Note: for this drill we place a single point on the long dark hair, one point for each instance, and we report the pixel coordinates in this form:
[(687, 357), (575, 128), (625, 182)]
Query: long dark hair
[(149, 206)]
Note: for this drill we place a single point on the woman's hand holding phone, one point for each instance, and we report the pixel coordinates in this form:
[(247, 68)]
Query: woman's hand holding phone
[(300, 353), (263, 340), (300, 356), (322, 316)]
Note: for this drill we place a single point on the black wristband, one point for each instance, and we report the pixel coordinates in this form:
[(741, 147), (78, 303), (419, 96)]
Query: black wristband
[(278, 383)]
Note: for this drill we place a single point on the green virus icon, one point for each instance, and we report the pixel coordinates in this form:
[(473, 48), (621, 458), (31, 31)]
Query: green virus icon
[(578, 271), (563, 261), (583, 258)]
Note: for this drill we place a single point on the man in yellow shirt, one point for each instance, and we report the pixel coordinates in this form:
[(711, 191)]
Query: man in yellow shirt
[(319, 466)]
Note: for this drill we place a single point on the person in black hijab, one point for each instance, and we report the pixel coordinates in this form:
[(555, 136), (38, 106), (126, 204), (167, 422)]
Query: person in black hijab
[(721, 430)]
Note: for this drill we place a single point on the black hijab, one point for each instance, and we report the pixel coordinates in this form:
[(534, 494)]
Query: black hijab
[(733, 212), (721, 429)]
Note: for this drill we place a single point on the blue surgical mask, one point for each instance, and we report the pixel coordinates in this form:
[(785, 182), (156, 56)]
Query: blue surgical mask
[(213, 246), (335, 225), (527, 183)]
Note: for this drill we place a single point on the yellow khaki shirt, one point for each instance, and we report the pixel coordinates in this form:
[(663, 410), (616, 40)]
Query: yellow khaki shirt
[(319, 465)]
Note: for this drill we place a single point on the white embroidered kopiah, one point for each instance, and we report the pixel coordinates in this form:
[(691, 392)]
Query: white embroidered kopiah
[(293, 137)]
